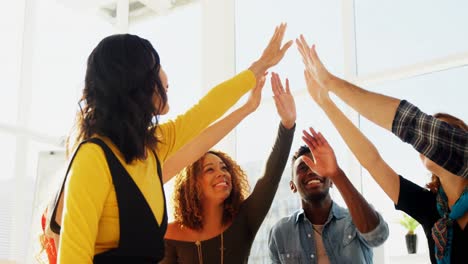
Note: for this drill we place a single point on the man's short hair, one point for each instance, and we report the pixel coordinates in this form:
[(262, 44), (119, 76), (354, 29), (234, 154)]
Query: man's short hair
[(303, 150)]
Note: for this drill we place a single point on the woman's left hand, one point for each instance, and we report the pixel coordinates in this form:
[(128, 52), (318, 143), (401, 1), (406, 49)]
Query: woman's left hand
[(284, 101)]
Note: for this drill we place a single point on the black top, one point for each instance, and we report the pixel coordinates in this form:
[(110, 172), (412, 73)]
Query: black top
[(238, 238), (141, 237), (421, 204)]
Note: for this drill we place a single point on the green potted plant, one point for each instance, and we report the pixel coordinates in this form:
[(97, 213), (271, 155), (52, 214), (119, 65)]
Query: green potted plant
[(411, 238)]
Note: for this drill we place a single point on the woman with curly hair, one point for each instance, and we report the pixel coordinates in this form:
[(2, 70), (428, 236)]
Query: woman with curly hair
[(215, 219), (121, 217), (443, 209)]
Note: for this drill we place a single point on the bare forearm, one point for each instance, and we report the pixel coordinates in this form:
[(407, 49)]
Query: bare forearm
[(378, 108), (193, 150), (364, 217), (362, 148), (366, 153)]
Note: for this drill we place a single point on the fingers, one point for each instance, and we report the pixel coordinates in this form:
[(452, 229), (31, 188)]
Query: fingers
[(288, 91), (276, 84), (281, 31), (301, 50), (304, 41), (322, 139), (312, 131), (286, 47), (309, 56), (318, 136), (302, 46), (314, 56), (273, 38), (309, 162), (309, 140), (278, 35), (313, 139)]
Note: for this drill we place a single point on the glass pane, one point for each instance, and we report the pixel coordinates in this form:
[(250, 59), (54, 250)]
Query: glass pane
[(177, 38), (62, 42), (256, 20), (46, 167), (392, 34), (7, 191), (425, 92), (8, 155), (11, 25)]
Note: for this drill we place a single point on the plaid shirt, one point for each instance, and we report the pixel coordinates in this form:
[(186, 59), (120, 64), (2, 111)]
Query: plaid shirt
[(440, 142)]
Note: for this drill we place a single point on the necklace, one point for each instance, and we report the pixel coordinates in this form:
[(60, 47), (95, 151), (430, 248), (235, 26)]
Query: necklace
[(200, 251)]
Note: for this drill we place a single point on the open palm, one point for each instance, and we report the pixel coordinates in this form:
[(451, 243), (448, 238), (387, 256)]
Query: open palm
[(324, 163), (275, 51), (313, 64), (284, 101)]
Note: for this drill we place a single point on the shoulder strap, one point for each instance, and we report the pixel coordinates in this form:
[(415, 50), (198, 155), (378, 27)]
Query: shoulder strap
[(52, 208), (158, 164)]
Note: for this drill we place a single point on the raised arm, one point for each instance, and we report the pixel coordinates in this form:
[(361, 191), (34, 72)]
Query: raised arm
[(325, 164), (378, 108), (444, 144), (193, 150), (362, 148), (175, 134), (259, 202)]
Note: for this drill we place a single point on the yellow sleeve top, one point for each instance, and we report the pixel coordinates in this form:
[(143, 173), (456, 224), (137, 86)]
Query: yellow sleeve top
[(90, 223)]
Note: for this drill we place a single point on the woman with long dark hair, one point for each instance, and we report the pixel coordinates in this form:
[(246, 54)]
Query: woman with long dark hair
[(122, 218)]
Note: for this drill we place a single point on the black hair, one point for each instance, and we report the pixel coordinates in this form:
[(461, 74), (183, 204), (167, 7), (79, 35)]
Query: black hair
[(121, 85)]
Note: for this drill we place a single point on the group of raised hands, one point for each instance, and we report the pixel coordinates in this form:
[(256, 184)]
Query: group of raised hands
[(316, 77)]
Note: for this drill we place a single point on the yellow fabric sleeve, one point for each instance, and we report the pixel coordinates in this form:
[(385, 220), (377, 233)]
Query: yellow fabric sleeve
[(90, 223)]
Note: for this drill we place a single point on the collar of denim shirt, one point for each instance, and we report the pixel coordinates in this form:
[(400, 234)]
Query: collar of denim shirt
[(336, 211)]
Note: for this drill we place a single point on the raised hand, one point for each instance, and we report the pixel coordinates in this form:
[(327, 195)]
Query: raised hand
[(324, 163), (312, 63), (273, 53), (316, 91), (284, 101), (256, 95)]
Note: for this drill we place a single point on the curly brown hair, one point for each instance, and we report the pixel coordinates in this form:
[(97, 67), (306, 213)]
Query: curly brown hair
[(453, 121), (187, 196)]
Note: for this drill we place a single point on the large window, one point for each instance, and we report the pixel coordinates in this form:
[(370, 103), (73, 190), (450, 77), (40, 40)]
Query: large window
[(408, 50), (44, 64), (401, 33)]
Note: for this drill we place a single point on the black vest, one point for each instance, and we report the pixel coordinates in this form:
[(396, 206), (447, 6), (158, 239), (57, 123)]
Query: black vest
[(141, 237)]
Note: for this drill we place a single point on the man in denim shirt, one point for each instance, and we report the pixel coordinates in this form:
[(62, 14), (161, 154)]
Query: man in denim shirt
[(322, 231)]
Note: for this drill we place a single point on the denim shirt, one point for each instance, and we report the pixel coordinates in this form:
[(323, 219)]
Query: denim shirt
[(291, 240)]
